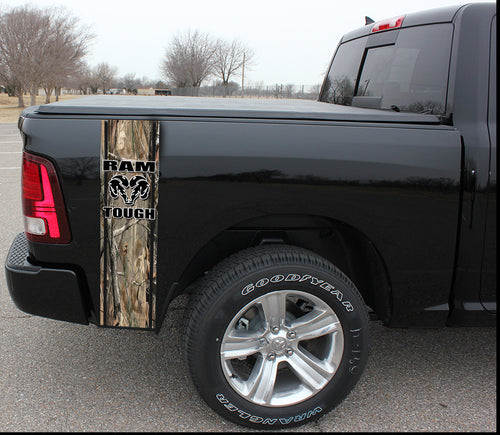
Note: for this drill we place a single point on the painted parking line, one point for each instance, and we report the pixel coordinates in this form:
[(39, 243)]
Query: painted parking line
[(12, 167), (10, 152)]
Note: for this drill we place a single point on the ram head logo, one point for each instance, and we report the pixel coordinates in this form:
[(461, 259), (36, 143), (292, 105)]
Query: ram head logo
[(119, 185)]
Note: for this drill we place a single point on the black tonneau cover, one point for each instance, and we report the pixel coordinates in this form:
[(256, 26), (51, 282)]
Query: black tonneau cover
[(225, 108)]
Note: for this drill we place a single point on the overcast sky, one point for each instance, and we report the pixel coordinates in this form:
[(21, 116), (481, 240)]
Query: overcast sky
[(293, 40)]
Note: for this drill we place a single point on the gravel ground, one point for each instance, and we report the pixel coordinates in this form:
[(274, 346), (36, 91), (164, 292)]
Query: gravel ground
[(57, 376)]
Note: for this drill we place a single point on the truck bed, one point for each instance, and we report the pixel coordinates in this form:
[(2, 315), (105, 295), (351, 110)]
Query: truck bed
[(226, 108)]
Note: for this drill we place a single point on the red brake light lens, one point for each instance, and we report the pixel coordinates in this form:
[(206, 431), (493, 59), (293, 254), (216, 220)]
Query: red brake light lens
[(44, 211), (32, 187), (391, 23)]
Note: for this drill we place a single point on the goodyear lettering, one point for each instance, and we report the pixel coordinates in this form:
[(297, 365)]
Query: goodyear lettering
[(249, 288), (348, 306), (327, 286), (294, 277), (262, 282), (316, 281), (277, 278)]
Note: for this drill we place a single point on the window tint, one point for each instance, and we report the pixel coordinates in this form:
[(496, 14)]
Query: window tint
[(409, 76), (341, 80)]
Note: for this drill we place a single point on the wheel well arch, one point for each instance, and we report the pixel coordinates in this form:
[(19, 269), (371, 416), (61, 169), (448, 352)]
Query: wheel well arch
[(341, 244)]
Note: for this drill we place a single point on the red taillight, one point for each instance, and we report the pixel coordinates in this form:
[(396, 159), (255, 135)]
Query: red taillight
[(44, 212), (391, 23)]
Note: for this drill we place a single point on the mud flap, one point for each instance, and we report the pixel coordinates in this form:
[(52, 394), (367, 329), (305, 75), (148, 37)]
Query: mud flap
[(129, 223)]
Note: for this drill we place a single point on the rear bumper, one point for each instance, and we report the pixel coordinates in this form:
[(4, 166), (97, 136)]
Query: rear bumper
[(43, 291)]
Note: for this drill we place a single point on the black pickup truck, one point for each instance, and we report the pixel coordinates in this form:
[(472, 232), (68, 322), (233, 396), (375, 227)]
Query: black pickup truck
[(289, 223)]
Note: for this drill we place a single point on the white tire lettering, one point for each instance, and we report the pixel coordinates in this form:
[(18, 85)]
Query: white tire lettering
[(270, 421), (338, 294), (314, 411), (277, 278), (348, 306), (244, 415), (327, 286), (231, 407), (294, 277), (316, 281), (221, 398), (300, 417), (249, 288), (262, 282)]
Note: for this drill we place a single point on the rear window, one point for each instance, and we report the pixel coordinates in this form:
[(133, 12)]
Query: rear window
[(410, 75)]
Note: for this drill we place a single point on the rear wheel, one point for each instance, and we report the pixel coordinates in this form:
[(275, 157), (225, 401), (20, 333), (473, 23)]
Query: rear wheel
[(276, 337)]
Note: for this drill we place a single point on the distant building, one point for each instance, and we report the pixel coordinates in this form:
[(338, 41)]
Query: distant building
[(163, 92), (146, 91)]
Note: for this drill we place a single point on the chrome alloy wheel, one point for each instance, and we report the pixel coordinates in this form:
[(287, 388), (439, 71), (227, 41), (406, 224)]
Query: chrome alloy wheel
[(282, 348)]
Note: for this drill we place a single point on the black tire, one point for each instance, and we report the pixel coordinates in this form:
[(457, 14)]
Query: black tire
[(275, 305)]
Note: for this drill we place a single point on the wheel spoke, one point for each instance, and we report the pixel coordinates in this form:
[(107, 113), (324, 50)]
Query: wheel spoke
[(315, 324), (310, 370), (239, 344), (261, 382), (273, 307)]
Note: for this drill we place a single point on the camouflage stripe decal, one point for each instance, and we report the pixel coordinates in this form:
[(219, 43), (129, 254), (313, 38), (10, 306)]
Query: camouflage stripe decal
[(129, 222)]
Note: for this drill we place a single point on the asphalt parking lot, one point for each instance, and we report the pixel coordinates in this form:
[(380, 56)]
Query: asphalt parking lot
[(57, 376)]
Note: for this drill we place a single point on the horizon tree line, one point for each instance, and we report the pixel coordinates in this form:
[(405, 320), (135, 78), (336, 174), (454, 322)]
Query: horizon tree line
[(192, 57), (46, 49)]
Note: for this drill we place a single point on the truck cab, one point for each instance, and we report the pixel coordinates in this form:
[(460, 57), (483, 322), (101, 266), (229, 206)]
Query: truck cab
[(442, 62)]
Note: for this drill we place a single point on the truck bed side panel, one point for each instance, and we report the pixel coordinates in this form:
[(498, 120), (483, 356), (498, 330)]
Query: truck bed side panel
[(397, 184)]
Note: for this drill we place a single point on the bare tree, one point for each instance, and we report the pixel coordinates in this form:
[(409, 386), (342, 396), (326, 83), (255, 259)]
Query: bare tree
[(92, 80), (230, 59), (160, 84), (315, 90), (339, 90), (22, 31), (104, 75), (83, 81), (68, 45), (129, 83), (36, 44), (78, 82), (12, 85), (189, 59), (278, 91), (290, 90)]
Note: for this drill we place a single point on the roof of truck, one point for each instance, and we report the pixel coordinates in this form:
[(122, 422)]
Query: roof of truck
[(161, 106), (444, 14)]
